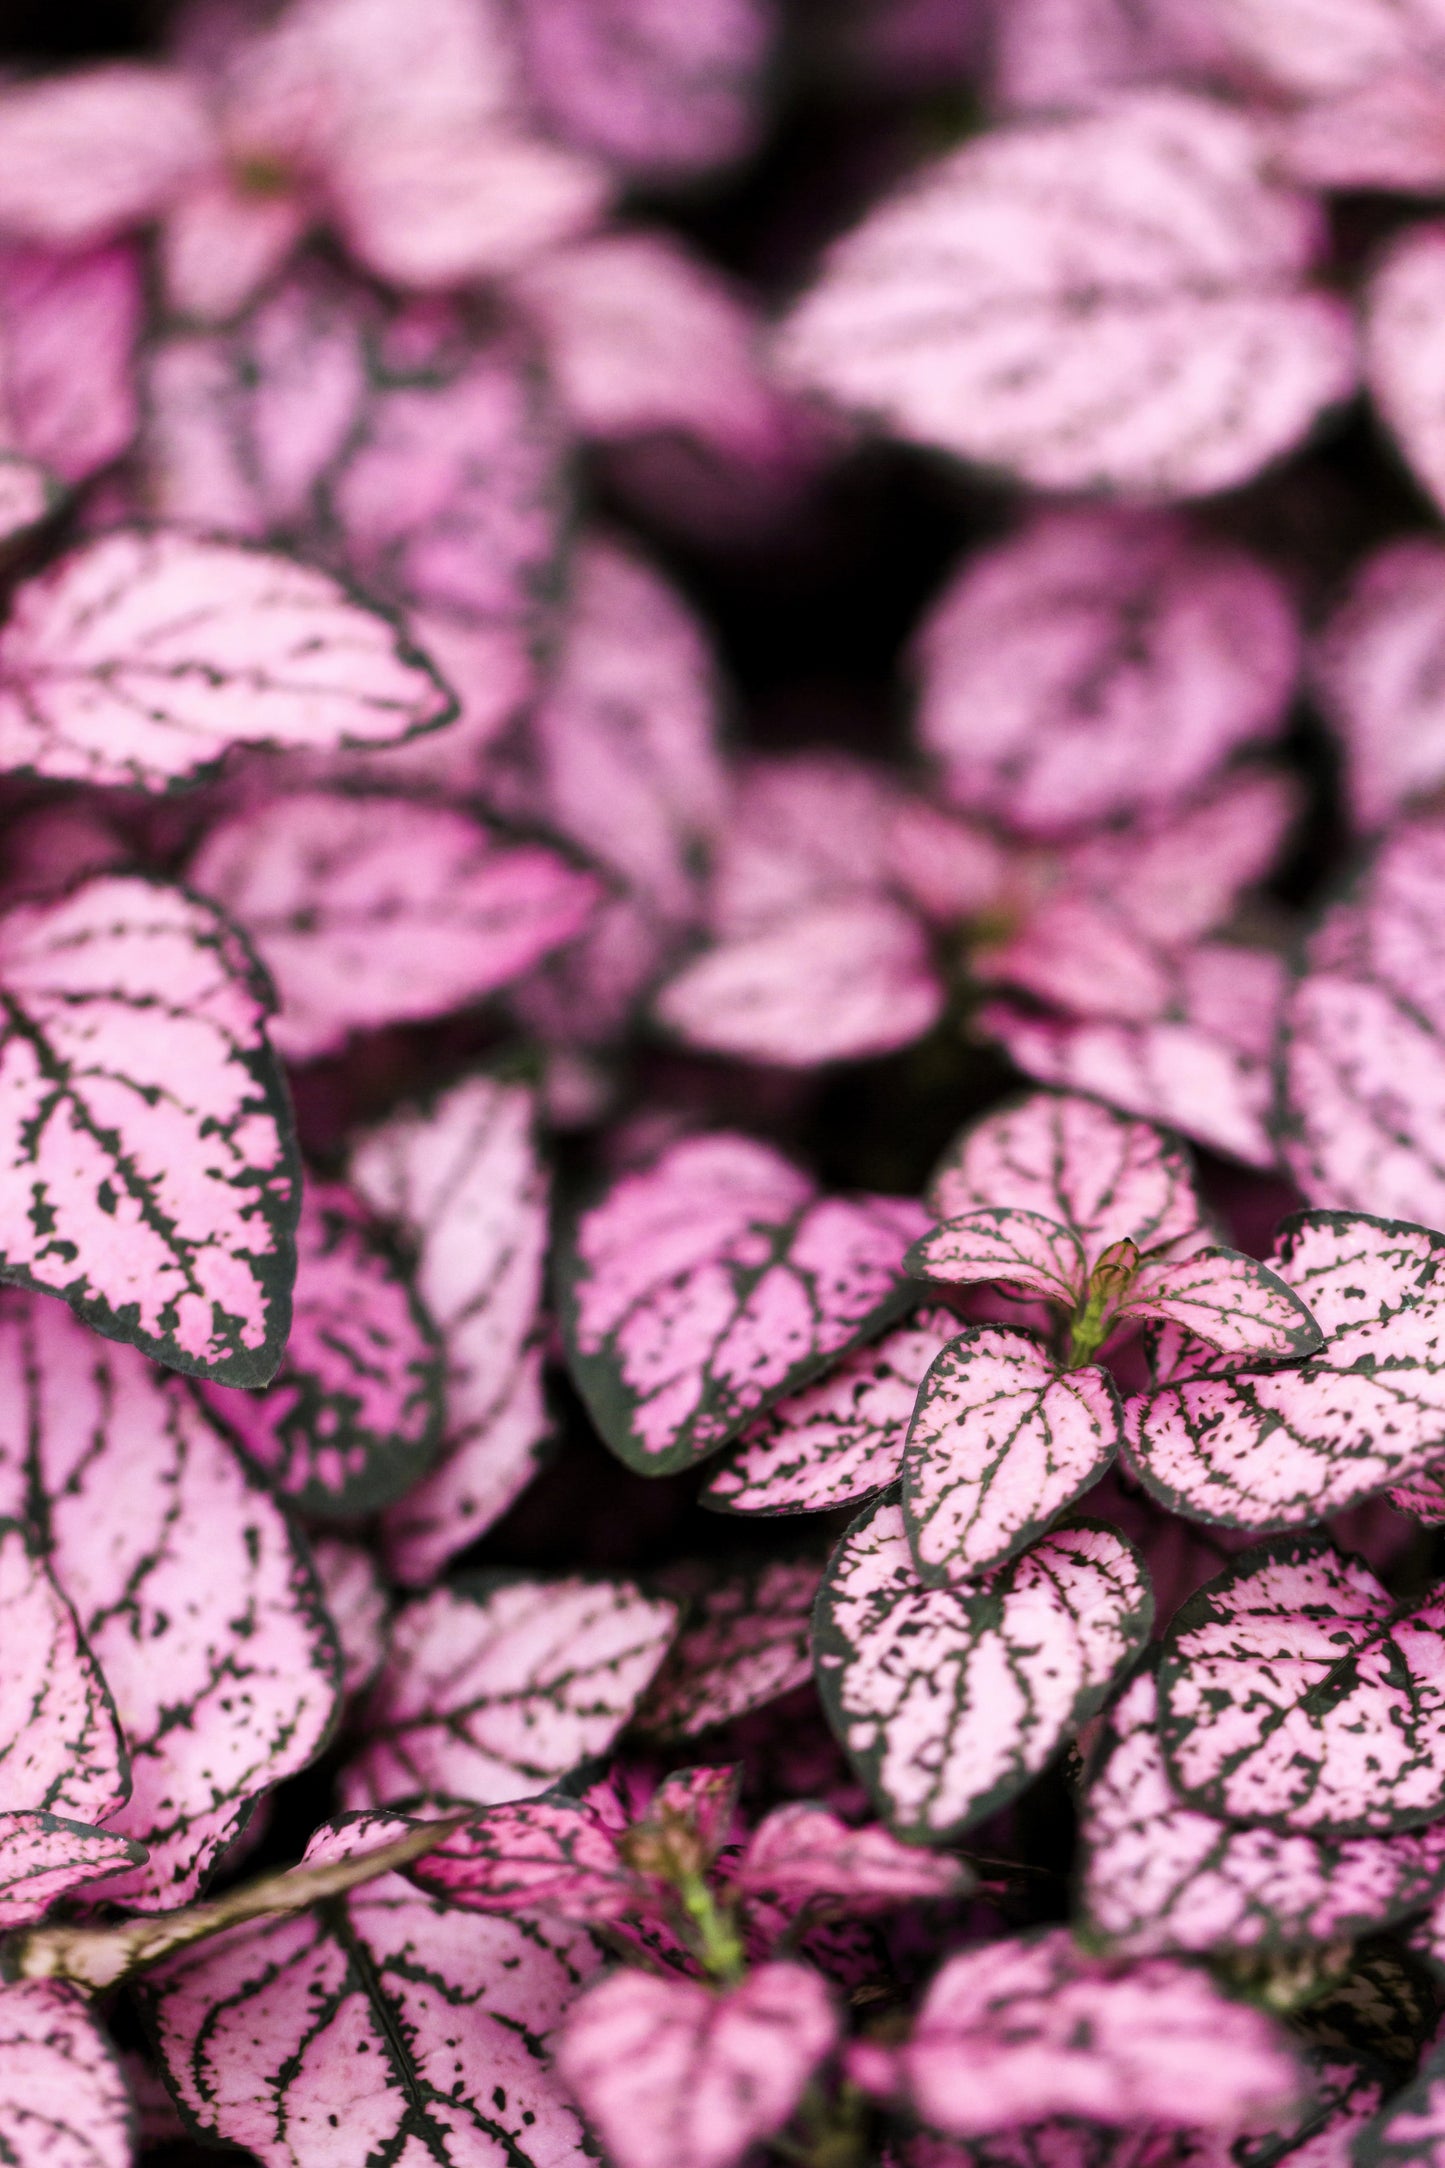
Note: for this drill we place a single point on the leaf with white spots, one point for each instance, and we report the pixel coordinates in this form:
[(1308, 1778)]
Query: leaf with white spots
[(949, 1701), (713, 1282), (1001, 1442), (69, 326), (1295, 1694), (1009, 305), (493, 1692), (63, 2100), (1377, 676), (465, 1191), (370, 911), (354, 1415), (1404, 343), (152, 1179), (838, 1440), (1023, 1249), (744, 1643)]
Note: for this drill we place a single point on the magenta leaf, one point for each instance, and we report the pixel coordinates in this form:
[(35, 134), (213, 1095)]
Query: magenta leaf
[(1267, 1449), (1023, 1249), (60, 1748), (1004, 306), (197, 1602), (801, 1852), (63, 2100), (377, 910), (707, 1286), (908, 1673), (141, 657), (463, 1186), (492, 1691), (354, 1414), (1294, 1694), (86, 155), (1021, 2030), (68, 329), (1001, 1442), (744, 1643), (1382, 134), (1221, 1296), (1374, 674), (834, 1442), (45, 1856), (1404, 337), (385, 2021), (549, 1855), (357, 1606), (152, 1177), (1102, 663), (1160, 1876), (674, 2075)]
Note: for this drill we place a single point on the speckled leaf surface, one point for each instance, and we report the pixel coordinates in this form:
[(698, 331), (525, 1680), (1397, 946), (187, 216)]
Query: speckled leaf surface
[(1229, 1300), (60, 1747), (711, 1283), (1023, 1249), (492, 1695), (1411, 2127), (357, 1604), (63, 2100), (950, 1700), (153, 1183), (801, 1852), (551, 1855), (1293, 1693), (44, 1857), (355, 1414), (464, 1187), (744, 1642)]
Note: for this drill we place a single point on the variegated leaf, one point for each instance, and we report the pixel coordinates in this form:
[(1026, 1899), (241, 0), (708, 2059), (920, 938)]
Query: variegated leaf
[(1404, 338), (1375, 676), (552, 1855), (910, 1674), (63, 2100), (744, 1643), (60, 1747), (44, 1857), (711, 1283), (69, 325), (357, 1606), (1021, 1248), (1227, 1299), (800, 1852), (1409, 2132)]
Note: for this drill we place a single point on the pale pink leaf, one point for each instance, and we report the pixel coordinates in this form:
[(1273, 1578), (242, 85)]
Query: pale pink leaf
[(1001, 1442), (1313, 48), (1008, 306), (806, 829), (913, 1677), (801, 1852), (1070, 1159), (354, 1415), (1021, 2030), (676, 2075), (1101, 663), (63, 2100), (1404, 335), (1006, 1243), (221, 242), (389, 2027), (1385, 133), (836, 1441), (86, 155), (1377, 677), (357, 1605), (551, 1855), (660, 93), (45, 1856), (1053, 53), (370, 911), (1158, 1875), (152, 1176), (493, 1692), (1293, 1693), (196, 1601), (60, 1748), (68, 330), (745, 1642), (28, 495), (845, 981), (711, 1283), (1230, 1300)]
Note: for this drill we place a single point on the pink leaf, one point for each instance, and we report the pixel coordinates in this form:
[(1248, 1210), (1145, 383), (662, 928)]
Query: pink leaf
[(1024, 1249), (28, 495), (494, 1693), (1237, 1305), (1159, 1876), (909, 1674), (1404, 340), (86, 155), (419, 2029), (1375, 673), (60, 1747), (153, 1183), (745, 1643), (63, 2101), (356, 1604), (815, 828), (1388, 133), (1293, 1694), (1106, 1178), (1018, 2031), (1101, 663), (1053, 53), (704, 1288), (1001, 1442), (1314, 47), (354, 1414), (196, 1602), (547, 1855), (674, 2075), (222, 242), (141, 657), (44, 1857), (68, 330), (838, 1440), (377, 910), (1411, 2127), (801, 1852), (1007, 307)]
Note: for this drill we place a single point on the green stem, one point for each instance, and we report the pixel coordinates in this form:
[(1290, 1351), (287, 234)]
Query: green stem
[(716, 1940)]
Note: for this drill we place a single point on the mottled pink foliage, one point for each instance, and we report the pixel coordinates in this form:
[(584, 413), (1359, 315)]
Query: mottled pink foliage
[(89, 154), (357, 1605), (69, 325), (550, 1855), (745, 1641), (801, 1852), (1376, 672), (63, 2101), (1404, 338)]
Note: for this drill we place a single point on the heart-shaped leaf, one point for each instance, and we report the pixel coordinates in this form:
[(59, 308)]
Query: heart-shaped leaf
[(196, 1602), (675, 2075), (1001, 1441), (1294, 1694), (88, 153), (1267, 1449), (1374, 676), (464, 1187), (1004, 307), (551, 1855), (745, 1642), (377, 910), (492, 1693), (1228, 1300), (834, 1442), (1158, 1875), (800, 1852), (141, 657), (1023, 1249), (1404, 334), (69, 325), (708, 1285), (63, 2100), (1142, 622), (152, 1178), (354, 1415), (909, 1673)]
